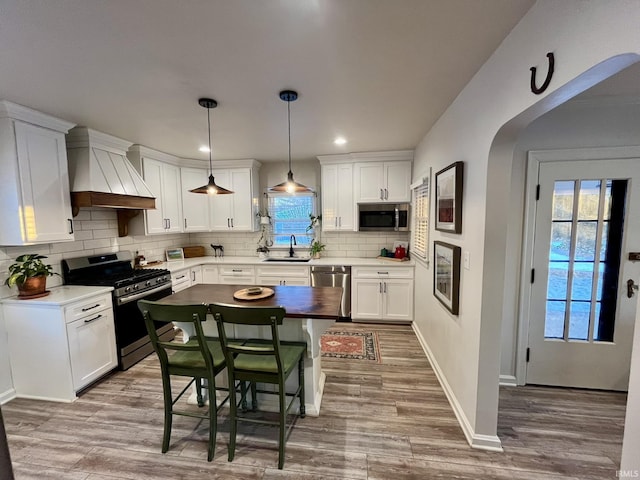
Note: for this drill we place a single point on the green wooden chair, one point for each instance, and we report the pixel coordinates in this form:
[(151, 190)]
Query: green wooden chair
[(260, 361), (200, 358)]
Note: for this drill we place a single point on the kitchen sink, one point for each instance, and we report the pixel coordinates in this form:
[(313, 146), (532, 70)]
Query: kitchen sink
[(286, 259)]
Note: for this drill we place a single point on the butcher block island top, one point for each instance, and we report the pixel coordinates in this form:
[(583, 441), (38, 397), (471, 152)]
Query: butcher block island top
[(310, 312), (299, 302)]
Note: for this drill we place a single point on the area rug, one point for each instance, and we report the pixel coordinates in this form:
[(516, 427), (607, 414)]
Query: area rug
[(351, 345)]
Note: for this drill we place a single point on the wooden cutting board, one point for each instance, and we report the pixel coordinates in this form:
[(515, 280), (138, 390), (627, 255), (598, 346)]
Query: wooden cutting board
[(243, 295)]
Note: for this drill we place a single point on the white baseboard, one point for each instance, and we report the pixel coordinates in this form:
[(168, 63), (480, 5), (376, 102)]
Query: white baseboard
[(7, 396), (508, 381), (481, 442)]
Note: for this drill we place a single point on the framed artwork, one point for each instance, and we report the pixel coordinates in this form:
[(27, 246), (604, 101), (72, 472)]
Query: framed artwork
[(449, 198), (446, 275), (175, 254)]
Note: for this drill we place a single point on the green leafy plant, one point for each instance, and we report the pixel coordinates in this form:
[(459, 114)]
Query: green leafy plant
[(27, 266), (316, 247)]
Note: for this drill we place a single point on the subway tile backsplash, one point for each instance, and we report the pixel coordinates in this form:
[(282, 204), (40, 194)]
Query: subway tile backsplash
[(96, 231)]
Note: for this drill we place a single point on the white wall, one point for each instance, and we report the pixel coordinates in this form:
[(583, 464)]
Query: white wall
[(597, 122), (480, 128)]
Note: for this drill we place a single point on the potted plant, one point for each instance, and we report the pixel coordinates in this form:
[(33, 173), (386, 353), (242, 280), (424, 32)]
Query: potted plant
[(30, 274), (263, 251), (316, 248)]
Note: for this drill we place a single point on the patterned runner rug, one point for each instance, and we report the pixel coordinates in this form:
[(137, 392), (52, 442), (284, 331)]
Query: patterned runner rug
[(351, 345)]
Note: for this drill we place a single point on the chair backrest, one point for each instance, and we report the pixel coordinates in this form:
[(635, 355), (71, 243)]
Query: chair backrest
[(162, 313), (253, 316)]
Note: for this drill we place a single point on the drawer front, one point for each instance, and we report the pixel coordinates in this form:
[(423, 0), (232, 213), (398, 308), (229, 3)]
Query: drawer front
[(237, 271), (382, 272), (84, 308), (286, 271), (181, 277)]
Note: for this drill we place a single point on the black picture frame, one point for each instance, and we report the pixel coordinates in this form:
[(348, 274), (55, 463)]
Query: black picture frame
[(446, 275), (449, 198)]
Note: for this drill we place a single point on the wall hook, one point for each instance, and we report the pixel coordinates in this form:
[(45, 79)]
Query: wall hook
[(547, 80)]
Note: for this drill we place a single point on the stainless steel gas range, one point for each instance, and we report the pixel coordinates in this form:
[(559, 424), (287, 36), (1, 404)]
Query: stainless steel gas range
[(130, 285)]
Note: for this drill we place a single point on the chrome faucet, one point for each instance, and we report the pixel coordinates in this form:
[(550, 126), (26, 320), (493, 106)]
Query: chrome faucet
[(292, 242)]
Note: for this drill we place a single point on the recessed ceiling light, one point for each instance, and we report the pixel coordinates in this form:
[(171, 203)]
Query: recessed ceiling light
[(204, 149), (340, 141)]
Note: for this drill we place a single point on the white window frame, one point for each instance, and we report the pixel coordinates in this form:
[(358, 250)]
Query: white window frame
[(310, 234), (420, 219)]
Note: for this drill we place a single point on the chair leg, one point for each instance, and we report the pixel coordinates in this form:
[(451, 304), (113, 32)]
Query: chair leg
[(213, 418), (254, 396), (283, 423), (168, 411), (199, 392), (233, 427), (301, 384)]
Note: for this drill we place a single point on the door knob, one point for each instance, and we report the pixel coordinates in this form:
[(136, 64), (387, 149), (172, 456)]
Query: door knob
[(631, 286)]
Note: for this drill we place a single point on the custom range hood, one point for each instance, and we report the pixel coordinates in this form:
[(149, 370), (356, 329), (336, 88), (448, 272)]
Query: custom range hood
[(100, 175)]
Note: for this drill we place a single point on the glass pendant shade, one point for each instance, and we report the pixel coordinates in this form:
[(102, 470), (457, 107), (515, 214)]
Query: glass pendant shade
[(290, 185), (210, 188)]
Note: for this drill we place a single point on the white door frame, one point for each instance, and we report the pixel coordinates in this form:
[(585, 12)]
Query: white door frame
[(535, 158)]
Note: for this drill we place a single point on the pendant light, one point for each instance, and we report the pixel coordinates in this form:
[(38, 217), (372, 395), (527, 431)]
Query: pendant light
[(210, 188), (290, 186)]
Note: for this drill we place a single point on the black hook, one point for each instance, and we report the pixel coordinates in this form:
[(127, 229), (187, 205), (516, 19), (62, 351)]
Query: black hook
[(547, 80)]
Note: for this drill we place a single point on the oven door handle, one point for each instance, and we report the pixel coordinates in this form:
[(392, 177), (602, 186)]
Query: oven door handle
[(137, 296)]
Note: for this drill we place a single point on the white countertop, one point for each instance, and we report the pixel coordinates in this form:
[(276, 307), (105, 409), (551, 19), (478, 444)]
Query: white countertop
[(177, 265), (61, 295)]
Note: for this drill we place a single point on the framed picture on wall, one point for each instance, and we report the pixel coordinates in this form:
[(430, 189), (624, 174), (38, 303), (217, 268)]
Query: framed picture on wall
[(449, 198), (446, 275)]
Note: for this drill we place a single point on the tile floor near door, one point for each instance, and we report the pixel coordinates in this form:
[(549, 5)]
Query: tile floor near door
[(387, 421)]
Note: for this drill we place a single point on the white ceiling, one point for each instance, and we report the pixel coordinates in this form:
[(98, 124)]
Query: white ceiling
[(379, 72)]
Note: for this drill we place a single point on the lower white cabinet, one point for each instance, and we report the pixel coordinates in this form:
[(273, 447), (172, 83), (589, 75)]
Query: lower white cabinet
[(57, 349), (282, 275), (237, 274), (209, 274), (180, 280), (382, 294)]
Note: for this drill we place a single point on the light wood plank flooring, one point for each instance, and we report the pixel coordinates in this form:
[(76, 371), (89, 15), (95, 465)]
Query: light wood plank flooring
[(388, 421)]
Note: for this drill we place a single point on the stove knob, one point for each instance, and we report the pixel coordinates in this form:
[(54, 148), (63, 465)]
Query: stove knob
[(136, 286), (148, 283), (127, 289)]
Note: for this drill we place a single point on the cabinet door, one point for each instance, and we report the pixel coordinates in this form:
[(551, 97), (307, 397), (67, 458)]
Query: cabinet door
[(196, 275), (220, 205), (330, 214), (152, 172), (398, 299), (398, 179), (209, 274), (242, 215), (44, 181), (369, 182), (172, 198), (195, 206), (366, 299), (92, 347), (344, 198)]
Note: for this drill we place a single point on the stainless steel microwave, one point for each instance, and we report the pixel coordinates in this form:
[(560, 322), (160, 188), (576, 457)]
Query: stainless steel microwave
[(383, 217)]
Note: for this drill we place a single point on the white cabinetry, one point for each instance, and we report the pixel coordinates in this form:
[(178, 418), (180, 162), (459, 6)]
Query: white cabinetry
[(57, 350), (195, 206), (180, 279), (235, 212), (383, 182), (209, 274), (162, 176), (382, 294), (338, 207), (282, 275), (237, 274), (34, 186)]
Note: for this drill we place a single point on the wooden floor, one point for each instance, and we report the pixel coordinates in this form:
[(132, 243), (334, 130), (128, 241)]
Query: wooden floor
[(388, 421)]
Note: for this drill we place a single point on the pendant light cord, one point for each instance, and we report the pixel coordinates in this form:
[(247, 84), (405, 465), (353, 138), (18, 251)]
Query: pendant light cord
[(289, 123), (209, 130)]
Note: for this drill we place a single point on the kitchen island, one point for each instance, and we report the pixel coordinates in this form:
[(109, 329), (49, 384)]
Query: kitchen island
[(310, 312)]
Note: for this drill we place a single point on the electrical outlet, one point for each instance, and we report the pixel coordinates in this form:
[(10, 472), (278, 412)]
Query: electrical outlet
[(467, 260)]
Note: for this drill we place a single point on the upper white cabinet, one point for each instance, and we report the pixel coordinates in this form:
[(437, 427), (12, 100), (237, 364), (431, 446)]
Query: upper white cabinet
[(195, 206), (383, 181), (34, 186), (338, 206), (235, 212), (162, 175)]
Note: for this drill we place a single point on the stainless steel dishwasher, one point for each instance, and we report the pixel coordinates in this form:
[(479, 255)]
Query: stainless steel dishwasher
[(334, 276)]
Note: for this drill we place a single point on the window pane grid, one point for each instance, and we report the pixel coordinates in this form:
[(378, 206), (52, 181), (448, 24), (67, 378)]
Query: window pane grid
[(290, 216)]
